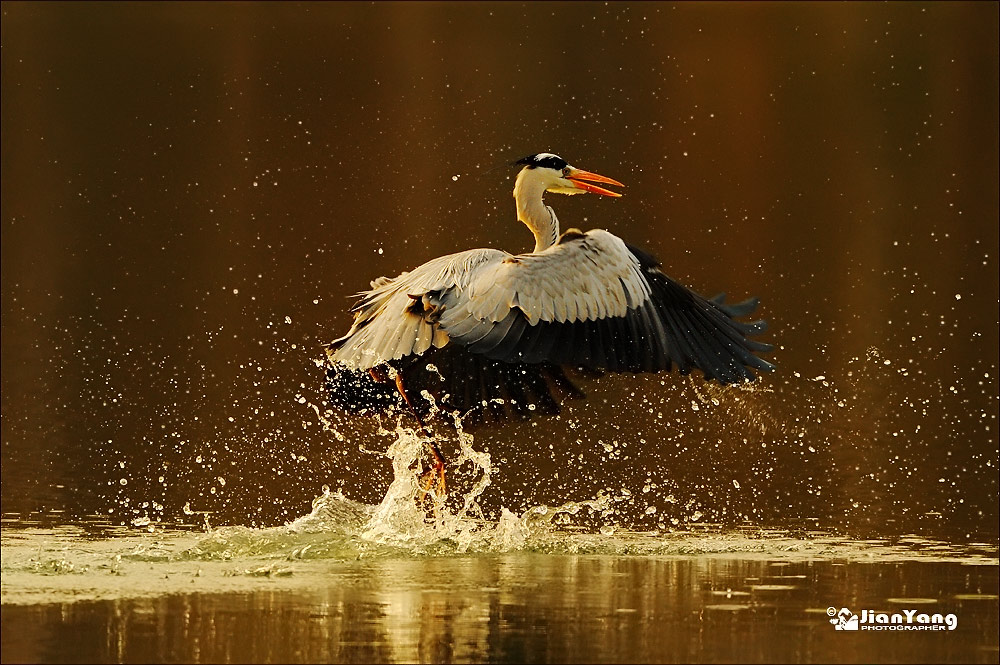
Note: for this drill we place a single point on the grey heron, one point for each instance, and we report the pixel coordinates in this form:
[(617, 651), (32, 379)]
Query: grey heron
[(492, 331)]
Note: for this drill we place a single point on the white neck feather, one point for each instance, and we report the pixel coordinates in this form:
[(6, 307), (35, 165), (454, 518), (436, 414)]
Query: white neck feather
[(538, 217)]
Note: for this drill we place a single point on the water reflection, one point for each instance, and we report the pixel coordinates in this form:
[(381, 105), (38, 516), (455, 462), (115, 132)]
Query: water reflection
[(531, 608)]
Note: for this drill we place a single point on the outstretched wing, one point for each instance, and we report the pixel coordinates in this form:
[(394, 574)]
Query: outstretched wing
[(594, 301)]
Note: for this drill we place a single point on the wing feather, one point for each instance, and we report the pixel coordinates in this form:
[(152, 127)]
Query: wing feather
[(590, 300), (384, 327)]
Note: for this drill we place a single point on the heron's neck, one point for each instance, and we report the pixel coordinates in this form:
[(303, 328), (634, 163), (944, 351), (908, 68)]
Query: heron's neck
[(532, 211)]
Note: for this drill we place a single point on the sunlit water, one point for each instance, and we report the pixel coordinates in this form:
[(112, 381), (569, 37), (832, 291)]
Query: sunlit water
[(405, 581)]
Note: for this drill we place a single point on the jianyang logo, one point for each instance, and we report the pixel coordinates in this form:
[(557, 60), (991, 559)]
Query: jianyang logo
[(845, 619)]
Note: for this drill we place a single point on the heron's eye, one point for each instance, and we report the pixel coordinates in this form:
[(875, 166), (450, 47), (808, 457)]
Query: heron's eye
[(566, 171)]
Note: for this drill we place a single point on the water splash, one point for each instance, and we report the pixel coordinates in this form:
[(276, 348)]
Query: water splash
[(404, 521)]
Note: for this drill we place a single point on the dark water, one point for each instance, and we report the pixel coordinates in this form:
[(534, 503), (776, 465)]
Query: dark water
[(191, 193)]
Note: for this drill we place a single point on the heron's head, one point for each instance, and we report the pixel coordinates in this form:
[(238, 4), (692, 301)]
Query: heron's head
[(554, 174)]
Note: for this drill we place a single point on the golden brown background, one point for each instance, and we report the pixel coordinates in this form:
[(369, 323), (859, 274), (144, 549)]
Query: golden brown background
[(191, 191)]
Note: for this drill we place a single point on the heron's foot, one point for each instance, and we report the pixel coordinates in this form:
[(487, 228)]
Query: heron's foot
[(432, 480)]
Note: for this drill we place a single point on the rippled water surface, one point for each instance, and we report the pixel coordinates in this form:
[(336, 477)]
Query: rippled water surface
[(337, 586)]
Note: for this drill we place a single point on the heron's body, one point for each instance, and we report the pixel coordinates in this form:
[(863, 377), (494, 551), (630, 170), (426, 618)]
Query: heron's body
[(486, 328)]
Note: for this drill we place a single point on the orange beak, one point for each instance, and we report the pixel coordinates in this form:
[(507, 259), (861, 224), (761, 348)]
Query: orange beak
[(577, 176)]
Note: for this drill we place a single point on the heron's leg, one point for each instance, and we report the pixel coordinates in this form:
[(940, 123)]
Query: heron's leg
[(436, 475)]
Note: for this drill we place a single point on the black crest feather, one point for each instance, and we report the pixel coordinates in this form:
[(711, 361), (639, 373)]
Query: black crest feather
[(543, 159)]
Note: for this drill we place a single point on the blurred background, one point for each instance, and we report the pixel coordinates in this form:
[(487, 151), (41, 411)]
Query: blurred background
[(192, 192)]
